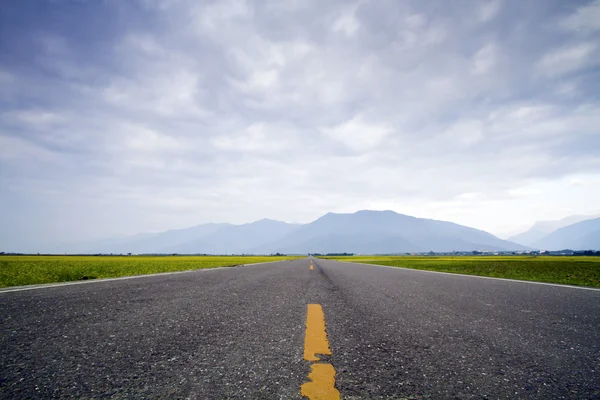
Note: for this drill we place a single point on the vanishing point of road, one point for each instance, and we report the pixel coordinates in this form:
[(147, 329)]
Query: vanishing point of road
[(319, 328)]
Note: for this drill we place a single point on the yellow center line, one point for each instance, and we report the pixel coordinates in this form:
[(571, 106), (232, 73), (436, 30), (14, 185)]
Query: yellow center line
[(322, 384), (322, 376), (315, 341), (311, 267)]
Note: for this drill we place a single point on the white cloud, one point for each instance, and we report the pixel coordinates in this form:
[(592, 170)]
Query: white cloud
[(576, 182), (489, 10), (358, 134), (470, 196), (16, 151), (585, 19), (195, 114), (6, 78), (415, 21), (221, 14), (34, 118), (165, 93), (346, 23), (264, 65), (568, 59), (257, 138), (54, 45), (464, 133), (140, 138), (484, 60), (143, 43)]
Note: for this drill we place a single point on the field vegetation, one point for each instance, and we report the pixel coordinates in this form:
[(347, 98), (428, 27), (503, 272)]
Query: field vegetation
[(571, 270), (28, 270)]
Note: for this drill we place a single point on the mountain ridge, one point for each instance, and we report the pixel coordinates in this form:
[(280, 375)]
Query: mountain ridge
[(361, 232), (583, 235), (364, 231), (540, 229)]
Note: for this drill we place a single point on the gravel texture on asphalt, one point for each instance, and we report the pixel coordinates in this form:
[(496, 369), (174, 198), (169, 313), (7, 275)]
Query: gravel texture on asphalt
[(239, 333)]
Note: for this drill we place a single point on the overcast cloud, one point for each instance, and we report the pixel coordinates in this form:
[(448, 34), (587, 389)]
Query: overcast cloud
[(119, 117)]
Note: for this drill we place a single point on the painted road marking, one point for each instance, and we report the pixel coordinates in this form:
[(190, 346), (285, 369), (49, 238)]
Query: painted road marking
[(311, 267), (315, 341), (322, 385), (322, 376)]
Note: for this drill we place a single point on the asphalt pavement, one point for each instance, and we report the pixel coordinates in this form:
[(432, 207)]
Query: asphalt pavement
[(240, 333)]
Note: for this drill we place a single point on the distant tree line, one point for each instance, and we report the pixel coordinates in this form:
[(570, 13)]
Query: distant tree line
[(331, 254), (586, 253)]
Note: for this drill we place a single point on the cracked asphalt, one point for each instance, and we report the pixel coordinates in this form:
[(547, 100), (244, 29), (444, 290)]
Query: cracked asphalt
[(239, 333)]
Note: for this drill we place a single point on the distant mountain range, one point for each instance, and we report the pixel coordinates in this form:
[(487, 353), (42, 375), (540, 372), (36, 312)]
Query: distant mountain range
[(576, 232), (366, 232), (584, 235), (543, 228)]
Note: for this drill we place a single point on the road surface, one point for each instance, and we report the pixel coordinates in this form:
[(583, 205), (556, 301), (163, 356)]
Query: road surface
[(246, 332)]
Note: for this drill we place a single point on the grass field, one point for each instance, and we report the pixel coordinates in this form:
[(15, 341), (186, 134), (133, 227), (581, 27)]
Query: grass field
[(583, 271), (28, 270)]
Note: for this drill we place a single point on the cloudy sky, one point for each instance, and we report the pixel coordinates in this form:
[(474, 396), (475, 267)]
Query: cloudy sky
[(119, 117)]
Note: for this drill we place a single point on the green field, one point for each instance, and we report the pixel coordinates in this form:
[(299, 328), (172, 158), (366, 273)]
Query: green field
[(29, 270), (583, 271)]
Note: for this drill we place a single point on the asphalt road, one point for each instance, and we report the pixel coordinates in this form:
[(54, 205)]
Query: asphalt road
[(240, 333)]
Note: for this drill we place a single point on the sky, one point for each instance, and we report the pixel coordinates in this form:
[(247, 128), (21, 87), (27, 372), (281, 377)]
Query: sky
[(120, 117)]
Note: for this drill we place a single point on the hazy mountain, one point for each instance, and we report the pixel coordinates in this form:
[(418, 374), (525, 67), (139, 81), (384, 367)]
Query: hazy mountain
[(361, 232), (583, 235), (237, 239), (162, 242), (384, 232), (543, 228)]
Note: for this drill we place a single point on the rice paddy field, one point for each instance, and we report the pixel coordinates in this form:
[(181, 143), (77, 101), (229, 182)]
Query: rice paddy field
[(29, 270), (578, 270)]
